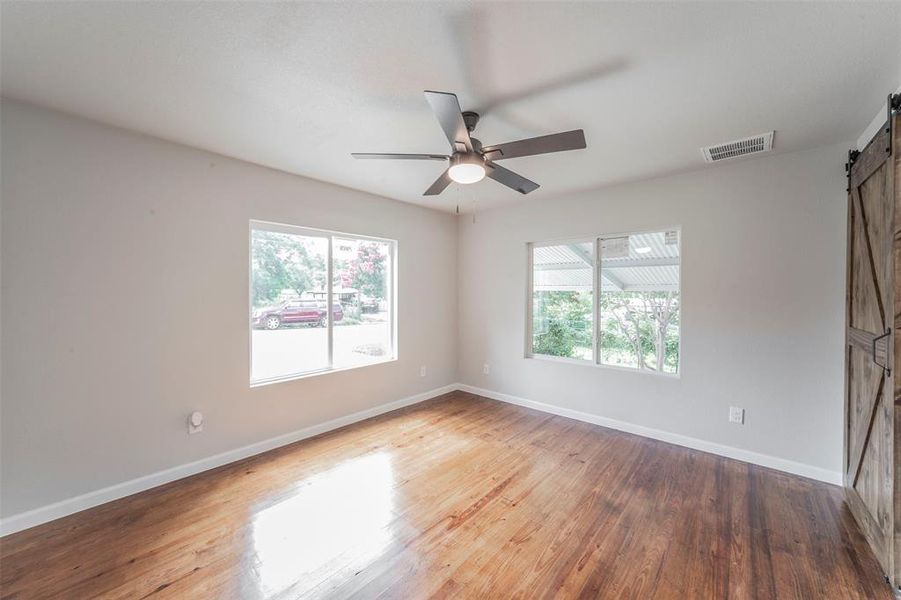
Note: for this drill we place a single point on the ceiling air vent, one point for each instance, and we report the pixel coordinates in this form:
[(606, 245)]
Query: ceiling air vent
[(749, 145)]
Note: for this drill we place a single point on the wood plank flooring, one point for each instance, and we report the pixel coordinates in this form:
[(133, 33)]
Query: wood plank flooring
[(460, 497)]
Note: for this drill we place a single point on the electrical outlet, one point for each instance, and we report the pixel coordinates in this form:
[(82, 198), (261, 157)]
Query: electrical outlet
[(486, 369), (422, 371), (736, 415)]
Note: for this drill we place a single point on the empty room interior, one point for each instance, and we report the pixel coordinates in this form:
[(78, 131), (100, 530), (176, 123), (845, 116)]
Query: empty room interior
[(479, 300)]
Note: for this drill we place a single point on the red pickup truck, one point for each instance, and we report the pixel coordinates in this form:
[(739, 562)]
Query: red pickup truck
[(295, 311)]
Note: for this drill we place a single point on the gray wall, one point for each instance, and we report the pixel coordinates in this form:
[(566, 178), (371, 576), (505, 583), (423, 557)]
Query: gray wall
[(125, 303), (763, 279)]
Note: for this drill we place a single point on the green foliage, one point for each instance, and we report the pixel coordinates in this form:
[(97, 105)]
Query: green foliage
[(281, 261), (351, 317), (568, 323), (637, 328), (671, 355), (556, 341)]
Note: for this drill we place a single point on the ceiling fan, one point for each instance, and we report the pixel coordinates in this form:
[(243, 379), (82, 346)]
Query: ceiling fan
[(470, 161)]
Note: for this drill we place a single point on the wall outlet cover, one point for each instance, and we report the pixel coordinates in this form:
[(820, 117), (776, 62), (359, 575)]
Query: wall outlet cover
[(736, 415), (195, 422)]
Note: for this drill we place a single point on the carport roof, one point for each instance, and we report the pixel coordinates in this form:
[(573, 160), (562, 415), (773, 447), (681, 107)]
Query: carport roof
[(567, 266)]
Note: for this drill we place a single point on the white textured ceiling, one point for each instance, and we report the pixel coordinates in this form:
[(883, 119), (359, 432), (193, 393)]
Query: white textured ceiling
[(298, 86)]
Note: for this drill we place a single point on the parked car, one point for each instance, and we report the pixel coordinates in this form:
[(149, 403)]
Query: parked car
[(295, 311)]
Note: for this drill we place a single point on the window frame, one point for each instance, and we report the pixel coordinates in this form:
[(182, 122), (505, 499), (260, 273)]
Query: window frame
[(596, 291), (330, 235)]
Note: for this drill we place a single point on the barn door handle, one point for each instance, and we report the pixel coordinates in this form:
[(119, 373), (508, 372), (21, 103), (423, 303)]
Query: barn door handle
[(885, 368)]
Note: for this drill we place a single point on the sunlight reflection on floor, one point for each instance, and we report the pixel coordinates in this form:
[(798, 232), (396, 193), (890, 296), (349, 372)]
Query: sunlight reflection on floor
[(337, 520)]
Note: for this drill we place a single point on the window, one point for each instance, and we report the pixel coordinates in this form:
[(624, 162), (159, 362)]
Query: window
[(633, 298), (296, 274), (562, 299)]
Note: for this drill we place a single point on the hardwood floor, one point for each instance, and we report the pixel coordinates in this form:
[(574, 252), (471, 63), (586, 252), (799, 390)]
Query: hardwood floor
[(459, 496)]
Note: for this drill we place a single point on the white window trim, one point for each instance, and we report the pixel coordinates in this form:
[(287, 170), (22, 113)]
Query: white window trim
[(329, 235), (596, 302)]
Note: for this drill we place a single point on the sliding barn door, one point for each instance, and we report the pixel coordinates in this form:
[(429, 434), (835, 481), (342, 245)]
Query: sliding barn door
[(870, 409)]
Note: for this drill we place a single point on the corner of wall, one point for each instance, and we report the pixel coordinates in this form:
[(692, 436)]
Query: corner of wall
[(458, 279)]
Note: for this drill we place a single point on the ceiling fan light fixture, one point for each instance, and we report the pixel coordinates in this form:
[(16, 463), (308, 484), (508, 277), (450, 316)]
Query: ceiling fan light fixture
[(471, 161), (466, 168)]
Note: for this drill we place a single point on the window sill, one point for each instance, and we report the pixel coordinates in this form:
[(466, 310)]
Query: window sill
[(320, 372), (588, 363)]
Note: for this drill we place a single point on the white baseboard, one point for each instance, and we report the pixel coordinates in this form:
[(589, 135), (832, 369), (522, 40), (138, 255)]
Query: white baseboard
[(69, 506), (764, 460), (66, 507)]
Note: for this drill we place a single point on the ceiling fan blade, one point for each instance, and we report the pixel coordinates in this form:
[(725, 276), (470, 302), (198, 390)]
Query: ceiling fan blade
[(471, 32), (576, 78), (447, 108), (556, 142), (378, 155), (440, 184), (510, 179)]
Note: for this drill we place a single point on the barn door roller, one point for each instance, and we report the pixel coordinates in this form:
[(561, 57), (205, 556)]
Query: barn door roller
[(893, 104)]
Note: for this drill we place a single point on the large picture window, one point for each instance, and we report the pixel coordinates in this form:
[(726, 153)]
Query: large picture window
[(612, 300), (296, 274)]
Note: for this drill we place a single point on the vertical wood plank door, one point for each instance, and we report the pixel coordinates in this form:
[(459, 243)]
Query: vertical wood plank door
[(869, 434)]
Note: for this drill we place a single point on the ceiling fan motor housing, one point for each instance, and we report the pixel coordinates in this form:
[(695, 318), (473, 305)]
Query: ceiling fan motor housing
[(471, 119), (467, 158)]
